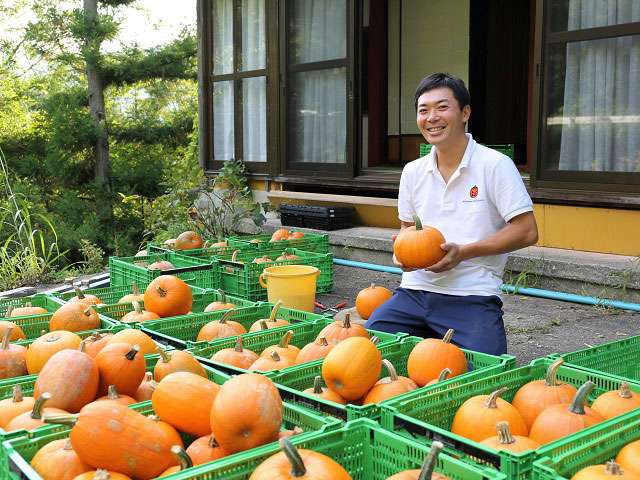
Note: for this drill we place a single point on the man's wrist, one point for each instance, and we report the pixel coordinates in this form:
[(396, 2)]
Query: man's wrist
[(467, 252)]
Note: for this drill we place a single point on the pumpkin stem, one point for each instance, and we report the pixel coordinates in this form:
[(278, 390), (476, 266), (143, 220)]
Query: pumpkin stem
[(5, 338), (275, 357), (54, 337), (112, 393), (134, 288), (9, 311), (164, 356), (101, 474), (227, 315), (238, 347), (624, 391), (82, 345), (69, 420), (234, 255), (612, 468), (223, 296), (417, 221), (426, 472), (580, 398), (375, 340), (67, 445), (263, 325), (36, 411), (444, 374), (552, 373), (504, 433), (183, 457), (148, 376), (274, 311), (297, 465), (131, 354), (448, 336), (323, 341), (136, 307), (286, 338), (346, 323), (491, 401), (161, 291), (393, 375), (317, 385), (88, 312), (43, 332), (213, 443), (17, 394), (79, 293)]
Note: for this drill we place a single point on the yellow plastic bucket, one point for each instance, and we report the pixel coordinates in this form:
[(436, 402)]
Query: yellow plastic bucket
[(294, 285)]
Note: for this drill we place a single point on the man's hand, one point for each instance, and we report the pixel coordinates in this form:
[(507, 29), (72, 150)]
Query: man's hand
[(395, 260), (452, 258)]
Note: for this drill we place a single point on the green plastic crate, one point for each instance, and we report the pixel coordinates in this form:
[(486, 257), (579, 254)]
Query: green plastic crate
[(38, 300), (596, 446), (619, 359), (311, 242), (195, 272), (34, 325), (429, 415), (296, 379), (241, 277), (507, 149), (205, 252), (182, 331), (303, 334)]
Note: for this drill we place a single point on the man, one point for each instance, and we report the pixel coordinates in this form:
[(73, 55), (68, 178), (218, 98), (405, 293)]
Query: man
[(475, 196)]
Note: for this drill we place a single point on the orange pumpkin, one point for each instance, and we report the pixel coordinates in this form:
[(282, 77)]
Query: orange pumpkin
[(222, 328), (33, 418), (238, 356), (612, 404), (533, 397), (176, 361), (12, 358), (122, 365), (418, 247), (280, 234), (14, 406), (477, 417), (263, 259), (134, 296), (315, 350), (271, 322), (283, 348), (16, 331), (205, 449), (113, 396), (352, 367), (506, 441), (42, 348), (247, 412), (560, 420), (295, 235), (96, 342), (221, 304), (287, 256), (138, 314), (608, 471), (390, 386), (161, 265), (426, 472), (339, 330), (71, 376), (183, 459), (84, 298), (272, 362), (370, 298), (168, 296), (183, 400), (429, 357), (629, 457), (291, 464), (74, 317), (57, 460), (146, 388), (27, 310), (322, 392), (188, 240), (133, 336), (168, 430)]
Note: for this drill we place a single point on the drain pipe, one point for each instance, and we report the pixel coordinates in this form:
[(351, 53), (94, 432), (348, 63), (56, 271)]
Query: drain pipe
[(532, 292)]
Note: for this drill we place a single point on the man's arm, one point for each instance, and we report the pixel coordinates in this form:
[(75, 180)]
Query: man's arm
[(521, 231)]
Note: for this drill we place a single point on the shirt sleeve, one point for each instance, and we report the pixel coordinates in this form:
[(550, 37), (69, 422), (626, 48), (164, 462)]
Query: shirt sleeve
[(510, 195), (405, 204)]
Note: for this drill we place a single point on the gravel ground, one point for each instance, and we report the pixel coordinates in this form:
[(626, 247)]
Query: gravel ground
[(535, 326)]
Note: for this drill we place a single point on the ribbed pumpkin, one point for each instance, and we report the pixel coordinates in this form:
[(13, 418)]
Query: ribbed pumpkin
[(429, 357), (85, 298), (272, 321), (221, 304), (370, 298), (560, 420), (287, 256), (146, 388), (339, 330), (96, 342), (27, 310), (205, 449), (101, 474), (280, 234), (533, 397), (315, 350), (323, 392), (138, 314), (43, 347), (629, 457), (352, 367), (389, 387), (418, 246), (612, 404), (12, 358), (237, 356), (74, 317), (14, 406), (176, 361), (168, 296), (188, 240), (292, 463), (477, 417), (33, 418), (71, 376), (428, 467), (57, 460), (247, 412), (283, 348), (122, 365), (506, 441), (134, 296), (133, 336), (609, 471), (114, 396), (272, 362), (161, 265), (223, 328), (16, 331), (295, 235), (183, 459), (183, 400)]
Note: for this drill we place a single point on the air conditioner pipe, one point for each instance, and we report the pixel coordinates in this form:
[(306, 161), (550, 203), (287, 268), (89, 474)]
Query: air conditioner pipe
[(532, 292)]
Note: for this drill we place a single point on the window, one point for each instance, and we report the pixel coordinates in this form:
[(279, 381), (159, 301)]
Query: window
[(590, 118)]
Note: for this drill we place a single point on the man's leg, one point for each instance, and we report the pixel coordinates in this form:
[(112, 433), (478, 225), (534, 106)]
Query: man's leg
[(477, 321), (404, 312)]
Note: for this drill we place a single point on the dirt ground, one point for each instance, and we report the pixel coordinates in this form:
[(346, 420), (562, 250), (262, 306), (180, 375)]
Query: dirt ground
[(535, 326)]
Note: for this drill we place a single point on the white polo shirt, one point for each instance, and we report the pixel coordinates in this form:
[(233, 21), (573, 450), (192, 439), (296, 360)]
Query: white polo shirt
[(483, 194)]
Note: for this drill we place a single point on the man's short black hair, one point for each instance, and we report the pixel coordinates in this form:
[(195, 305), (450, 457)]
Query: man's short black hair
[(439, 80)]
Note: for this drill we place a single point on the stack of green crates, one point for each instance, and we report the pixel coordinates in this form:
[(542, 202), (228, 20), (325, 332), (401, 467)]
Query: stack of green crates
[(311, 242)]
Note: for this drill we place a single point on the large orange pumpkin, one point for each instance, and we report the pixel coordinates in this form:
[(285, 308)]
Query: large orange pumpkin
[(477, 417), (168, 296), (188, 240), (612, 404), (560, 420), (280, 234), (390, 386), (629, 457), (609, 471), (176, 361), (27, 310), (506, 441), (322, 392), (315, 350), (221, 304), (85, 298), (96, 342), (246, 413), (222, 328), (418, 247), (272, 362), (57, 460), (370, 298), (122, 365), (12, 358), (352, 367), (283, 348), (205, 449), (238, 356), (271, 322), (429, 357), (42, 348), (337, 331), (134, 336), (14, 406), (74, 317), (16, 331), (428, 467)]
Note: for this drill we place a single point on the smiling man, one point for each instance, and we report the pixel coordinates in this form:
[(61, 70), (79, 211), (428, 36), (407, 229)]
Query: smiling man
[(475, 196)]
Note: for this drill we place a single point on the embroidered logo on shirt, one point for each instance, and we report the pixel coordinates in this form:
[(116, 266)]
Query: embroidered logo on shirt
[(473, 193)]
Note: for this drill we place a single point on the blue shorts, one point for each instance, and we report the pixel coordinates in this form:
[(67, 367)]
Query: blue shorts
[(476, 319)]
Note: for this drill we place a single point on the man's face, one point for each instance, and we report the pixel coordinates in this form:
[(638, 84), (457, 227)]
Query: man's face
[(439, 116)]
